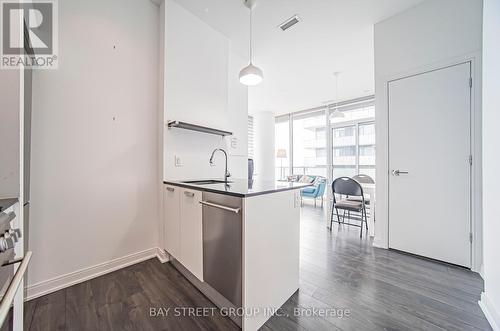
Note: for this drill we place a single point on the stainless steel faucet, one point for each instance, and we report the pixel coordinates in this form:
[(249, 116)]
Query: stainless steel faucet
[(226, 173)]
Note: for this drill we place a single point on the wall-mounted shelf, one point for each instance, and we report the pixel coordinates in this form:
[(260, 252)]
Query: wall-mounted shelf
[(199, 128)]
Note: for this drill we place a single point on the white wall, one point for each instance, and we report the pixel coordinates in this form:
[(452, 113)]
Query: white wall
[(202, 87), (264, 151), (490, 300), (430, 35), (95, 160), (9, 133)]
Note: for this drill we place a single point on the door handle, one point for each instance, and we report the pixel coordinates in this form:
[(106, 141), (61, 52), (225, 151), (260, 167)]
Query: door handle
[(170, 189), (189, 194), (399, 172), (210, 204)]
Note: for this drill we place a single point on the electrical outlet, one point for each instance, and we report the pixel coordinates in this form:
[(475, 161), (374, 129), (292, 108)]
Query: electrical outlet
[(178, 161), (234, 142)]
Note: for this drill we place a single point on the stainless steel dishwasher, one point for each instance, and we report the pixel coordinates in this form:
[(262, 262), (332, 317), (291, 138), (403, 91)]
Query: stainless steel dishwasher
[(222, 245)]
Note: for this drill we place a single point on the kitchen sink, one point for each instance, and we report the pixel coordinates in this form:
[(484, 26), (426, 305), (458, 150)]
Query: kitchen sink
[(205, 182)]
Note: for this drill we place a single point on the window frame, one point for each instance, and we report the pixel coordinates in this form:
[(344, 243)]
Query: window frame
[(356, 124), (326, 111), (250, 138)]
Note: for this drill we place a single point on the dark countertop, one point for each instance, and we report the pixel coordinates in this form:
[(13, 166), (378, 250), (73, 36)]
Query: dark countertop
[(241, 187), (6, 203)]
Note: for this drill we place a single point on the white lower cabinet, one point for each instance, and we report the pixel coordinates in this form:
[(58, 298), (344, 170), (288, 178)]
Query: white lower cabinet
[(191, 232), (183, 227), (172, 219)]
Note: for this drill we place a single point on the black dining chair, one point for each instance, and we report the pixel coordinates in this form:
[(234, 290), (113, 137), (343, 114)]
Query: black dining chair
[(344, 188), (363, 179)]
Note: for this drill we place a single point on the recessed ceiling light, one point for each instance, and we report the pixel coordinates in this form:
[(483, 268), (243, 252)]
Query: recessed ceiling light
[(289, 22)]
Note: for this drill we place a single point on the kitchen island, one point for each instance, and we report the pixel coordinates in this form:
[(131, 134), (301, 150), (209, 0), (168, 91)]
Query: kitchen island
[(237, 242)]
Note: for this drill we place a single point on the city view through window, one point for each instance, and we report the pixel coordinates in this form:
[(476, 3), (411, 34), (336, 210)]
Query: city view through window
[(352, 143)]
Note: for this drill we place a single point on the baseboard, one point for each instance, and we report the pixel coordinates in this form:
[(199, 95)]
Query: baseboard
[(162, 255), (379, 243), (72, 278), (481, 271), (490, 311)]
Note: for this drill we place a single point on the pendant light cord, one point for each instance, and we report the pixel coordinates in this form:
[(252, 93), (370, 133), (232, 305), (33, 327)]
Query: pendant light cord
[(336, 91), (251, 34)]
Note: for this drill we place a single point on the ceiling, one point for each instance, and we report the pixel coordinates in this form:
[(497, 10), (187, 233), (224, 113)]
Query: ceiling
[(299, 64)]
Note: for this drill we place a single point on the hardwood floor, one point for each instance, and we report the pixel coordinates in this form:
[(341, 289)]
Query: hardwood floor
[(383, 289), (380, 289)]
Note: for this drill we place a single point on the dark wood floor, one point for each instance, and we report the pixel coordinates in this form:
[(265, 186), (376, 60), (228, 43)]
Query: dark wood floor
[(383, 290)]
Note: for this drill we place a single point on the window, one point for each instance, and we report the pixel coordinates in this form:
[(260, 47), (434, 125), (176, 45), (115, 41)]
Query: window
[(321, 153), (353, 141), (250, 137), (301, 141), (282, 146), (344, 132), (309, 144), (367, 149), (344, 151), (362, 112)]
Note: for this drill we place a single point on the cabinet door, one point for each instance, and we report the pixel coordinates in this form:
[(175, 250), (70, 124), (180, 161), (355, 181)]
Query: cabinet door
[(191, 232), (171, 214)]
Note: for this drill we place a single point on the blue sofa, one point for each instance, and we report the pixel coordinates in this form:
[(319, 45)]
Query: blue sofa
[(315, 192)]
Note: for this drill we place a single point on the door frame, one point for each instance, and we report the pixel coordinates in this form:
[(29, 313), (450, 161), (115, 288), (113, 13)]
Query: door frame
[(381, 239), (469, 124)]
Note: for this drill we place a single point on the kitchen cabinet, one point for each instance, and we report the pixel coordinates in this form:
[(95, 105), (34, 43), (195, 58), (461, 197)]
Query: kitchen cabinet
[(244, 241), (191, 234), (183, 227), (172, 220)]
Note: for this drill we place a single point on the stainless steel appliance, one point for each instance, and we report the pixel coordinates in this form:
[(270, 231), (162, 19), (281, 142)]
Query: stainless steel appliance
[(7, 215), (222, 245), (250, 169), (13, 265)]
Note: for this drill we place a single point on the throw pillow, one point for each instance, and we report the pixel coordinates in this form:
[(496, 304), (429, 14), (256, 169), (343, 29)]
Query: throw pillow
[(306, 179), (318, 181)]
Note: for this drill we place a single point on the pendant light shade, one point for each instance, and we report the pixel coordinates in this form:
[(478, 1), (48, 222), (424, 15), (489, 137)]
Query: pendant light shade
[(251, 75), (336, 113)]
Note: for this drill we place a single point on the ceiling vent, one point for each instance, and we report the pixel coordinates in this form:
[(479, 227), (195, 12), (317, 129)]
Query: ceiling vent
[(289, 22)]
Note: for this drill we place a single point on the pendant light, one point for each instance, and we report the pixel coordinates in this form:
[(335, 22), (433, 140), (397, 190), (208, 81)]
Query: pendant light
[(337, 113), (251, 75)]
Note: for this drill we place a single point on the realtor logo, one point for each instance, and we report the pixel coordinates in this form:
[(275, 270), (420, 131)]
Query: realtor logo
[(29, 34)]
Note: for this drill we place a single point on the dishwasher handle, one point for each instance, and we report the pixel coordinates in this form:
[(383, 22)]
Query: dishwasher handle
[(210, 204)]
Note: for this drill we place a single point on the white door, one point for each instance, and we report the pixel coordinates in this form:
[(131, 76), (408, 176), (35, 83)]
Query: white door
[(429, 144)]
